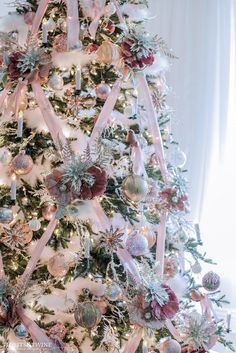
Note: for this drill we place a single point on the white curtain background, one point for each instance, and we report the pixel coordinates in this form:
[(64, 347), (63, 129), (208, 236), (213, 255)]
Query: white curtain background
[(202, 33)]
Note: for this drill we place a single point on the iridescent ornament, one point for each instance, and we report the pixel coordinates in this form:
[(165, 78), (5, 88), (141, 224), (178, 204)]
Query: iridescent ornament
[(196, 268), (109, 53), (211, 281), (55, 82), (170, 346), (149, 235), (88, 314), (48, 211), (103, 90), (6, 215), (135, 188), (58, 265), (176, 157), (113, 292), (21, 331), (34, 224), (22, 164), (137, 244), (5, 156)]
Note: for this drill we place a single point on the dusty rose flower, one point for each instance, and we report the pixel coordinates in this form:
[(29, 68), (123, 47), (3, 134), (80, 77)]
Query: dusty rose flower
[(60, 43), (99, 186), (168, 310), (91, 48), (172, 200), (13, 71), (134, 60)]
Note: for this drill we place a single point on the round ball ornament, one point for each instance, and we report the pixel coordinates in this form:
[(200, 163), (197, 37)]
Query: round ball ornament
[(5, 156), (55, 82), (110, 27), (21, 331), (29, 18), (109, 53), (137, 245), (6, 215), (177, 157), (4, 306), (170, 346), (110, 9), (34, 224), (135, 188), (23, 232), (48, 211), (211, 281), (149, 235), (88, 314), (22, 164), (58, 265), (196, 268), (113, 292), (103, 90)]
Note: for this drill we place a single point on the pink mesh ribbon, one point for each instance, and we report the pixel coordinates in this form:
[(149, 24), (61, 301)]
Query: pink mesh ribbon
[(51, 120), (97, 12), (38, 250), (133, 341), (72, 23), (43, 4), (106, 110), (144, 92), (42, 341), (160, 245)]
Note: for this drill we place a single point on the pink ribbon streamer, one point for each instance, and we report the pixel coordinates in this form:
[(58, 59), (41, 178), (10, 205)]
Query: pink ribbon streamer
[(98, 11), (206, 308), (106, 110), (3, 95), (2, 273), (129, 264), (38, 336), (173, 330), (160, 245), (51, 120), (43, 4), (38, 250), (144, 92), (73, 27), (119, 14), (137, 158), (133, 342)]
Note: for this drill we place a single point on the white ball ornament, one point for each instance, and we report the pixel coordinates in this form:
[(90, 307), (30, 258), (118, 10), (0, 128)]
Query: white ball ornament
[(34, 224), (5, 156), (137, 245), (196, 268), (113, 291), (103, 90), (176, 157), (170, 346), (55, 82)]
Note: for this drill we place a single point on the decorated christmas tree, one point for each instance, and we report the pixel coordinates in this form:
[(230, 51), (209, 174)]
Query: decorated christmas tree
[(97, 251)]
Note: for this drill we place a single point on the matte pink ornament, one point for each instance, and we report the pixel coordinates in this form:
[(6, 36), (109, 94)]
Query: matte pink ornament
[(103, 90)]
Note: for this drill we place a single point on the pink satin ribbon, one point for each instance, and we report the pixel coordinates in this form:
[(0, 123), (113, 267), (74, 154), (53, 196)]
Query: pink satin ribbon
[(133, 341), (173, 330), (144, 92), (129, 264), (119, 14), (42, 341), (38, 250), (42, 7), (2, 273), (98, 11), (206, 308), (160, 245), (51, 120), (3, 95), (137, 158), (106, 110), (73, 27)]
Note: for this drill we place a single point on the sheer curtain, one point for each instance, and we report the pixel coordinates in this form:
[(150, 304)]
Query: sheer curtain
[(203, 34)]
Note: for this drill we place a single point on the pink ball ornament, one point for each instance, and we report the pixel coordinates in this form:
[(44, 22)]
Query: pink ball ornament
[(170, 346), (137, 245), (58, 266), (211, 281), (103, 90), (22, 164)]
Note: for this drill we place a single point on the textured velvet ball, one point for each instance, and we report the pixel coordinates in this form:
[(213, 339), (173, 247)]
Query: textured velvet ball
[(211, 281), (137, 245), (170, 346), (22, 164), (6, 215), (135, 188), (88, 314)]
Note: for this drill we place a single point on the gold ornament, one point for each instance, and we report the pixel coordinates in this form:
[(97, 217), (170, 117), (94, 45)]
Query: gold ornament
[(48, 211), (88, 314), (22, 164), (149, 235), (135, 188), (109, 53)]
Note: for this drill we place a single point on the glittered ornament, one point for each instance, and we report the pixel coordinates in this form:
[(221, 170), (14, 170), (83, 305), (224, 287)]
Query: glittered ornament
[(196, 268), (21, 331), (55, 82), (137, 244), (170, 346), (34, 224), (135, 188), (211, 281), (5, 156), (58, 265), (22, 164), (113, 291), (48, 211), (58, 331), (109, 53), (6, 215), (60, 43), (103, 90), (88, 314)]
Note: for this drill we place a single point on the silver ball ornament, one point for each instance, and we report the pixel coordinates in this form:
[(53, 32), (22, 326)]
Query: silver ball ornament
[(103, 90), (88, 315), (113, 291), (55, 82), (196, 268), (211, 281), (5, 156), (21, 331), (34, 224), (135, 188), (6, 215), (137, 245)]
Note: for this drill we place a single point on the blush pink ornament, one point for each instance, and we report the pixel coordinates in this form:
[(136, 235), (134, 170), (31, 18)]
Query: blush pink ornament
[(103, 90), (60, 43), (29, 18)]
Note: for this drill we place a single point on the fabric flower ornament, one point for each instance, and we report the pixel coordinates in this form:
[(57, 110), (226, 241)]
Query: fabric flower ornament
[(169, 309), (13, 69), (172, 200), (99, 185)]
